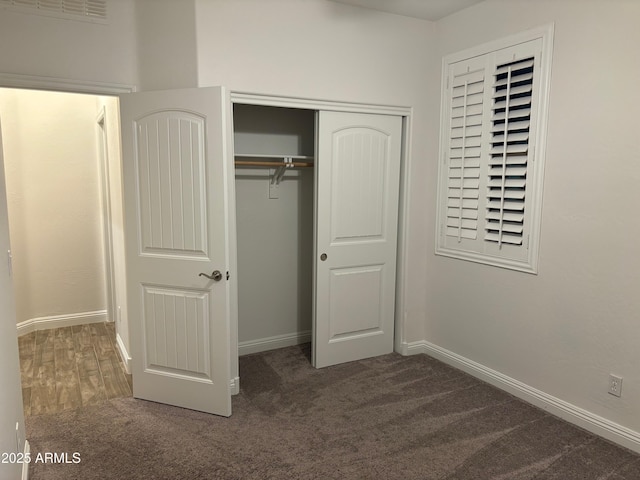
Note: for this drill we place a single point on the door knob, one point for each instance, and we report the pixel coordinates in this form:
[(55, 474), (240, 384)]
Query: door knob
[(216, 276), (323, 257)]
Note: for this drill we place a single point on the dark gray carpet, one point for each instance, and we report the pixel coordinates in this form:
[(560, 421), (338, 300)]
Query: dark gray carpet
[(390, 417)]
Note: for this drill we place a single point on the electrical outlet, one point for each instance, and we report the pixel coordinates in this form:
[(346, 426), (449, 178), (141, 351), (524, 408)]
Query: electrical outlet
[(615, 385), (119, 316)]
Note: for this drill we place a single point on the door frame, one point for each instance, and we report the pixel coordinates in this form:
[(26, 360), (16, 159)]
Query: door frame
[(105, 198), (406, 113), (57, 84)]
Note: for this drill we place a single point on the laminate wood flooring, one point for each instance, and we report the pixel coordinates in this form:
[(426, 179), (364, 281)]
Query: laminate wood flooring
[(71, 367)]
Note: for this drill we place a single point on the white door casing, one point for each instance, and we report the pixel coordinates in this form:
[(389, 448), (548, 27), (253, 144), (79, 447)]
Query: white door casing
[(11, 393), (174, 168), (358, 173), (107, 233)]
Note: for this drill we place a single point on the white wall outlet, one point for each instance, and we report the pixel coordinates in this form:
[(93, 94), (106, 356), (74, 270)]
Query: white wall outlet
[(119, 316), (615, 385)]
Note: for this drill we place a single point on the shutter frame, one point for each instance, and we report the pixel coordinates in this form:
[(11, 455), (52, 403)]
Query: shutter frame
[(512, 158)]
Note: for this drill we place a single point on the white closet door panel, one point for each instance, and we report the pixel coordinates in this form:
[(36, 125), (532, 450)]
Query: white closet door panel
[(354, 310), (358, 173), (176, 330), (171, 181), (358, 184), (174, 152)]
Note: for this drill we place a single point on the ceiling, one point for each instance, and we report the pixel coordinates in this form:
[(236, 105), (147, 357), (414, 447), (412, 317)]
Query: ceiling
[(425, 9)]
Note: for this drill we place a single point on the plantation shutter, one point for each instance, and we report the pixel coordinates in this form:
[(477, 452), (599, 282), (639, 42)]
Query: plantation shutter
[(509, 154), (493, 122), (464, 155)]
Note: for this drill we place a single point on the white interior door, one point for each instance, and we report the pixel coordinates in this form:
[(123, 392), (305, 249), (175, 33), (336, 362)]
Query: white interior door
[(358, 174), (174, 167)]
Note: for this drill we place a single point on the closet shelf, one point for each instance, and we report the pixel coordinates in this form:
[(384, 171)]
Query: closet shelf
[(273, 161)]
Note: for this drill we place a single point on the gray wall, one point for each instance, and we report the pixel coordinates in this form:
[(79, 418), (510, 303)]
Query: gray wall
[(275, 236)]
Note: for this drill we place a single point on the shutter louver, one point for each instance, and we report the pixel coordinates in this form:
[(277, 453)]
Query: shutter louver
[(467, 92), (509, 153), (79, 9)]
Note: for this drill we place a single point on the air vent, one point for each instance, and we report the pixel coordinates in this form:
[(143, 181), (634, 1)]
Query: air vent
[(88, 10)]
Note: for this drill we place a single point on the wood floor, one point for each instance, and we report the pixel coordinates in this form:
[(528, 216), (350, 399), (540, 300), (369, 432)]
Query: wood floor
[(71, 367)]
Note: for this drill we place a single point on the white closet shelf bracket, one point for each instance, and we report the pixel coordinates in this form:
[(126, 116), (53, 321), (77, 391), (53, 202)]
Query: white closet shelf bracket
[(279, 173)]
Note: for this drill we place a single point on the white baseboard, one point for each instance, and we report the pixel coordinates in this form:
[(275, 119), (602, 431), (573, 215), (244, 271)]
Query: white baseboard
[(235, 386), (271, 343), (25, 466), (126, 359), (57, 321), (589, 421)]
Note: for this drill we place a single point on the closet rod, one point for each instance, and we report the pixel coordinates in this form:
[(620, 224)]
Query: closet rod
[(257, 163)]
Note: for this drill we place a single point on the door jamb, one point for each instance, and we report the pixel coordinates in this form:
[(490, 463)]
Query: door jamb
[(105, 187)]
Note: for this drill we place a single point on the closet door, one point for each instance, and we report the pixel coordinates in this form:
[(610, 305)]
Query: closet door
[(358, 173), (174, 166)]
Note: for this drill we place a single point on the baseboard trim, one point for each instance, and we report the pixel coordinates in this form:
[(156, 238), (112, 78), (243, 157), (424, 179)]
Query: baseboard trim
[(271, 343), (25, 466), (57, 321), (126, 359), (589, 421)]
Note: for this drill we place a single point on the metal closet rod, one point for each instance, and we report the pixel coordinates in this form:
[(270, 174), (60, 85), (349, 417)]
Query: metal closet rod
[(272, 164)]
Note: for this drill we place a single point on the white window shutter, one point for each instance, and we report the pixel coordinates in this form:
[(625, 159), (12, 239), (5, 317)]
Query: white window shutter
[(493, 121), (465, 142), (509, 155)]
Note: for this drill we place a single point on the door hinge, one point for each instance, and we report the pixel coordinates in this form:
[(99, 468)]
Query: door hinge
[(227, 275)]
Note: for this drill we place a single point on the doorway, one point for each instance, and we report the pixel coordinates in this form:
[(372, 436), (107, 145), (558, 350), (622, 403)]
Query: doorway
[(62, 179)]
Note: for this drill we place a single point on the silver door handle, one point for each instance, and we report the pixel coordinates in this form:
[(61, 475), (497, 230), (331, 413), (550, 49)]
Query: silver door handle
[(216, 276)]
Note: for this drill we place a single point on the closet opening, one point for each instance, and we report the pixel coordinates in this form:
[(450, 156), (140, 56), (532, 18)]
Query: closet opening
[(274, 151)]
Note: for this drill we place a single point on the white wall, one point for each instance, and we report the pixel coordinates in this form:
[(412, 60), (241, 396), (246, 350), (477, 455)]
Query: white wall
[(565, 329), (70, 49), (325, 50), (55, 218), (166, 44)]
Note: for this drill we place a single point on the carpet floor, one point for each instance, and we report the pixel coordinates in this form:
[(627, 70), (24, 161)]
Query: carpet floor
[(389, 417)]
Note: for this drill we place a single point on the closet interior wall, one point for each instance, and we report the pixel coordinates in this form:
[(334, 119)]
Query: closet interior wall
[(274, 235)]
